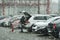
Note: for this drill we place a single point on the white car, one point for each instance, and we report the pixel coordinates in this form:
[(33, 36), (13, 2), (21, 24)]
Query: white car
[(41, 26), (37, 18)]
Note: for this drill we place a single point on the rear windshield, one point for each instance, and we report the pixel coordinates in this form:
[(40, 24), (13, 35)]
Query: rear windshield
[(41, 17)]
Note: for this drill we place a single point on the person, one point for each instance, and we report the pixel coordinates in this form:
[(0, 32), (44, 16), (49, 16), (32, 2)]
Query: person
[(22, 22)]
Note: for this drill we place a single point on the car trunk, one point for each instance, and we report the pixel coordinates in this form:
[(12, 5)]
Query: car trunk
[(27, 15)]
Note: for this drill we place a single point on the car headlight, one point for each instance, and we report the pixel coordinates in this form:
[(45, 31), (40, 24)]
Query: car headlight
[(34, 25)]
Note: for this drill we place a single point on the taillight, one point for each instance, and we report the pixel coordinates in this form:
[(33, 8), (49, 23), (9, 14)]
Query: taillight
[(54, 26)]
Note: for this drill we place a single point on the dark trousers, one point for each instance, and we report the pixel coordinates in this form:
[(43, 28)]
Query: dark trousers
[(22, 26)]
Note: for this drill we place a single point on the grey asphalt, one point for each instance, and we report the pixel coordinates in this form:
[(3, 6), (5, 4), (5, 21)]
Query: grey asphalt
[(6, 34)]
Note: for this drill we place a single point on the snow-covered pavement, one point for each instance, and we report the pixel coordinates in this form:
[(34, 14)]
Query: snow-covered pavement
[(6, 34)]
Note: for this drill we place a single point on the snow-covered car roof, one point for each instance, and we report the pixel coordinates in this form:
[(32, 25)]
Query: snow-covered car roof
[(41, 15), (49, 20)]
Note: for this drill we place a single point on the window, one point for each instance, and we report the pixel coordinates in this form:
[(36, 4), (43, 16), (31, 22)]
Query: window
[(40, 18), (2, 18), (56, 19)]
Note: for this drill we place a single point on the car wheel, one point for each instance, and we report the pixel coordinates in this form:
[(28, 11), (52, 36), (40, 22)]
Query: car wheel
[(56, 34), (3, 24), (29, 29), (46, 32)]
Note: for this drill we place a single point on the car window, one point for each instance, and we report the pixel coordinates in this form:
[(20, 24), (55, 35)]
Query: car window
[(48, 17), (41, 18), (56, 19), (57, 24), (52, 19), (2, 18)]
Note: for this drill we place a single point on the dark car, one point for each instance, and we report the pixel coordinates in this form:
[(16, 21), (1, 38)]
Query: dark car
[(54, 28)]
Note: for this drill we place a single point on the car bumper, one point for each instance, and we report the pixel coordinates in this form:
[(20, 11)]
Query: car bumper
[(42, 30)]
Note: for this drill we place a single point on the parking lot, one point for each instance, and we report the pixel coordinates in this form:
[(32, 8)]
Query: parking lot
[(6, 34), (29, 20)]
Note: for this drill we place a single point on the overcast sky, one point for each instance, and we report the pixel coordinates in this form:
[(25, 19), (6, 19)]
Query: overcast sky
[(55, 1)]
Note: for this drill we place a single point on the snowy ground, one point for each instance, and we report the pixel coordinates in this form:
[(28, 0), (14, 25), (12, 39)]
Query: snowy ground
[(6, 34)]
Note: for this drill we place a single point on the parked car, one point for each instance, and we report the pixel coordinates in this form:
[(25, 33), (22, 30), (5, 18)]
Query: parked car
[(2, 19), (36, 18), (54, 28), (41, 27), (5, 23), (9, 20)]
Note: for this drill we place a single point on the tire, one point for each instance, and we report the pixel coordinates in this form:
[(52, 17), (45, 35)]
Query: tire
[(30, 29), (56, 34), (2, 24), (46, 32)]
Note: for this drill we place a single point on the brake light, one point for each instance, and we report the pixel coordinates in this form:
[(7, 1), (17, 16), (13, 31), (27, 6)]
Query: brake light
[(54, 26)]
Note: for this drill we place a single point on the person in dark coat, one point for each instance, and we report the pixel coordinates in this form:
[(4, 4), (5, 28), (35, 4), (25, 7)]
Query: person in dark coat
[(24, 18), (22, 21)]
